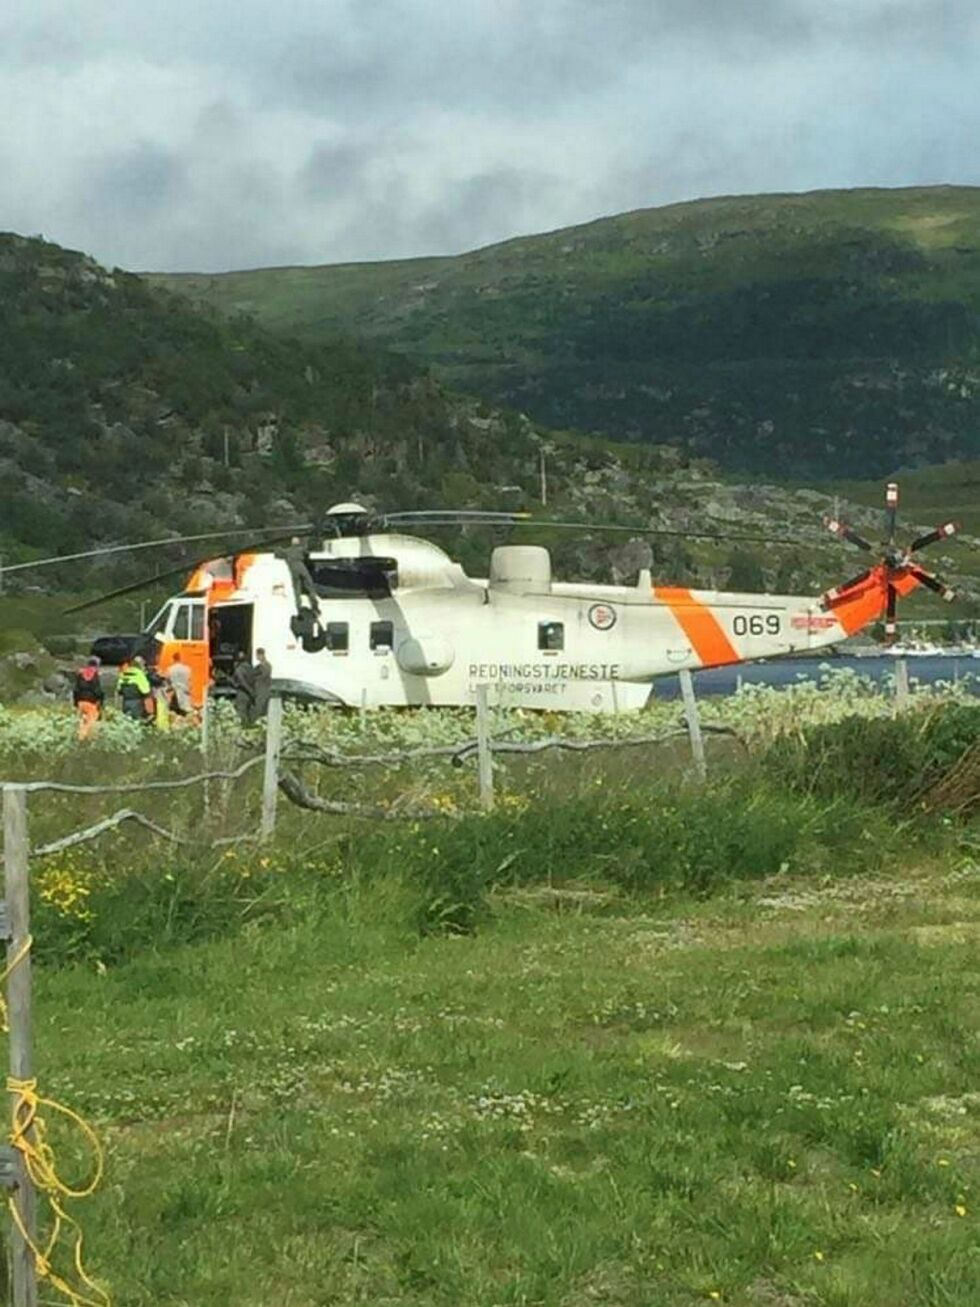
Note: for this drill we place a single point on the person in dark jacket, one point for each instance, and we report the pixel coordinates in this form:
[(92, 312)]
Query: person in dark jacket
[(263, 684), (88, 697), (243, 679)]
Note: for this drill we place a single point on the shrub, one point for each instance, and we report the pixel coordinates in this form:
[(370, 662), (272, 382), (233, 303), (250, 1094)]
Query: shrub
[(673, 837), (875, 760)]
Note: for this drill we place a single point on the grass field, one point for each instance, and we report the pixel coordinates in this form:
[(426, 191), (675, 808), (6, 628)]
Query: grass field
[(766, 1098), (626, 1041)]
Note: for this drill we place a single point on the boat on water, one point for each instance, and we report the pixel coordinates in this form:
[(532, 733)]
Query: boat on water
[(916, 649)]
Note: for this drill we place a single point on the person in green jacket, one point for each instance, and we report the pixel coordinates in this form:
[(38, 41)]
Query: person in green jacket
[(133, 688)]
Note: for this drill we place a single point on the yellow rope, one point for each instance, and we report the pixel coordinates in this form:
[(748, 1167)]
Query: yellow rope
[(14, 962), (29, 1136)]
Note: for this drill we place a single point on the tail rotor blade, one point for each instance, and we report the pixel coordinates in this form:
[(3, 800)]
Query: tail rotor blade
[(891, 509), (844, 532), (930, 538), (933, 583), (834, 596), (891, 626)]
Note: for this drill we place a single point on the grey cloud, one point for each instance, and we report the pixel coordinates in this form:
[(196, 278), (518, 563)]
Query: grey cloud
[(334, 169), (138, 180), (485, 207), (230, 133)]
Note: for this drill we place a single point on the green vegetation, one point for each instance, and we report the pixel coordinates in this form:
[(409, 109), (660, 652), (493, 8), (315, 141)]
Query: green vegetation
[(827, 334), (125, 413), (931, 493), (623, 1041)]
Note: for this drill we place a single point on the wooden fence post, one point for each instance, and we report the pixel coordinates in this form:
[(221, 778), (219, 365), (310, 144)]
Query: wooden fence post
[(270, 778), (693, 722), (17, 899), (901, 682), (484, 756), (206, 743)]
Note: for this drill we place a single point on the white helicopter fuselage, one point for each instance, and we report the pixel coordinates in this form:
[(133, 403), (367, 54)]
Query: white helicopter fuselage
[(434, 634)]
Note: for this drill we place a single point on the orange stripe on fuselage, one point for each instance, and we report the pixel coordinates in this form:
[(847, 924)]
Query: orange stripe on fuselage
[(699, 624)]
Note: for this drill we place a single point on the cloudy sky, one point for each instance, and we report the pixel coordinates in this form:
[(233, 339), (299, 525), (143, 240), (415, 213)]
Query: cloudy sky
[(215, 134)]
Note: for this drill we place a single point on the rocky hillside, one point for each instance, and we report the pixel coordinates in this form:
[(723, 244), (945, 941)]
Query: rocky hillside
[(127, 413), (819, 335)]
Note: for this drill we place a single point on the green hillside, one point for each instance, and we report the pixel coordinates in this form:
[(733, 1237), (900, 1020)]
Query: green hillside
[(828, 334), (126, 413)]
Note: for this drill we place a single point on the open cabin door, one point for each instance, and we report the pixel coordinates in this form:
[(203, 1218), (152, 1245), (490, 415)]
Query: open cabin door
[(185, 634), (229, 633)]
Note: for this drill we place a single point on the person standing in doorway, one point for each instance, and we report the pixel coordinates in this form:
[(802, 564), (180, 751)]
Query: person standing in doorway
[(243, 680), (263, 684), (178, 677)]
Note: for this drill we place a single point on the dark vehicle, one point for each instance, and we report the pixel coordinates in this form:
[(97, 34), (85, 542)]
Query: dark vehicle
[(113, 650)]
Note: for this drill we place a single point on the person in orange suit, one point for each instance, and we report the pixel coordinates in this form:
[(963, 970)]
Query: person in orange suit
[(88, 697)]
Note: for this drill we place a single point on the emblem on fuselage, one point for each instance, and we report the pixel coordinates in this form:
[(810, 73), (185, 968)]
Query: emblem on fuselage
[(602, 617)]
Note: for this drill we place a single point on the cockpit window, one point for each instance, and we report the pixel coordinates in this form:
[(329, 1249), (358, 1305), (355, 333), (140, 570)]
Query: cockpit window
[(181, 627), (160, 621)]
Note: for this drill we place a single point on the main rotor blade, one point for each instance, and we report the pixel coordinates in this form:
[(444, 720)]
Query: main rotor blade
[(844, 532), (933, 583), (143, 584), (184, 569), (149, 544), (660, 531), (930, 537), (891, 626), (446, 516)]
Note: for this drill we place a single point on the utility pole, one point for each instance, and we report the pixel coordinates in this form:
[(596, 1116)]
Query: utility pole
[(227, 460), (544, 476)]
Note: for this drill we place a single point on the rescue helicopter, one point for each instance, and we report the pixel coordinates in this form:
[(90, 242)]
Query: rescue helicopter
[(365, 615)]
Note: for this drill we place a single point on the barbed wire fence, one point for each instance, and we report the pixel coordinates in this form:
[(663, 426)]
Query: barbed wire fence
[(20, 1171)]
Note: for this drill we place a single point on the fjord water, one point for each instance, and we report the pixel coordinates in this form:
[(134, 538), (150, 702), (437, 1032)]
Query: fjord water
[(924, 669)]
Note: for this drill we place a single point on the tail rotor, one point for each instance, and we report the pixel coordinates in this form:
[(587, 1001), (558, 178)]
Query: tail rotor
[(897, 564)]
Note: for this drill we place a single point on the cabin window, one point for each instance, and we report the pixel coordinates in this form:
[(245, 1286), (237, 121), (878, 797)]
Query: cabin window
[(197, 621), (338, 637), (551, 636), (382, 636)]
